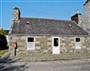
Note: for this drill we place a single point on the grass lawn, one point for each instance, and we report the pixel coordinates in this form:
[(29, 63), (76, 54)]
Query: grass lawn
[(2, 52)]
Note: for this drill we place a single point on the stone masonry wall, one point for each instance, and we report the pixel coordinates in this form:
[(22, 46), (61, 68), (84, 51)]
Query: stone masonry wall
[(43, 44), (67, 44), (85, 24), (85, 41), (21, 44)]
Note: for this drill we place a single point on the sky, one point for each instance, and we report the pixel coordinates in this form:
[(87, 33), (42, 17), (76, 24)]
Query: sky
[(51, 9)]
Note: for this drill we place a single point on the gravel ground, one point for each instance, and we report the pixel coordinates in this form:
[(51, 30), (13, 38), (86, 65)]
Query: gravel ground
[(71, 65)]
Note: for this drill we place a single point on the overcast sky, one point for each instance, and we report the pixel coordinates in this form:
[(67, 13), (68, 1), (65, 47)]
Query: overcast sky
[(53, 9)]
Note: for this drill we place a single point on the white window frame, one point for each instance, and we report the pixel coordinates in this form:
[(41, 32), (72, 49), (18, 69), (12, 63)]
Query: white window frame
[(77, 44), (56, 48), (32, 42)]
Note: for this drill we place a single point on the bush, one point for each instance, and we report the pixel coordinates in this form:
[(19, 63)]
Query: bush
[(3, 42), (2, 32)]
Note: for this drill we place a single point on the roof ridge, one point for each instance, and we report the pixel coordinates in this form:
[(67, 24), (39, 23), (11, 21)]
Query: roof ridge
[(50, 19)]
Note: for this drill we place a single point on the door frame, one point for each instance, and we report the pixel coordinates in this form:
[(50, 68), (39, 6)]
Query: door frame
[(55, 50), (77, 44)]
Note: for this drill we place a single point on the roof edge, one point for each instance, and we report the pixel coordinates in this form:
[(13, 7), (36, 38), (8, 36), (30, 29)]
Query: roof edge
[(42, 18), (49, 35)]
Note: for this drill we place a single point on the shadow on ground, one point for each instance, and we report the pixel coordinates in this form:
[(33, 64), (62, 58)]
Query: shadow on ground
[(10, 67), (8, 64)]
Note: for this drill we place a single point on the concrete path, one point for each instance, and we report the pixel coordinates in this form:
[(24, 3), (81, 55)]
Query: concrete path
[(74, 65)]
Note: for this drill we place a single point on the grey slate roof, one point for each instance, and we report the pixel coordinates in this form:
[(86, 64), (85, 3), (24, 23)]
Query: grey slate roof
[(37, 26)]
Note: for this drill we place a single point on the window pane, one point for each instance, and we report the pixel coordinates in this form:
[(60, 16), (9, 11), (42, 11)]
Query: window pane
[(30, 39), (55, 41), (77, 39)]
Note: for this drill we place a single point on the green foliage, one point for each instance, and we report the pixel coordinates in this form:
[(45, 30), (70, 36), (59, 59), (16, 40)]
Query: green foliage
[(2, 32), (2, 52)]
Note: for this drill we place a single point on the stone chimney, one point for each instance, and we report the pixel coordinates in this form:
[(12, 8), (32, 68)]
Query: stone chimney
[(16, 14), (76, 17)]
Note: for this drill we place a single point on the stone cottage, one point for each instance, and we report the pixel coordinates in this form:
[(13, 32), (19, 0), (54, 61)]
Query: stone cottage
[(48, 35)]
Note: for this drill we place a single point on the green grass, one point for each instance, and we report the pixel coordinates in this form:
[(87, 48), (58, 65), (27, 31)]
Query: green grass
[(2, 52)]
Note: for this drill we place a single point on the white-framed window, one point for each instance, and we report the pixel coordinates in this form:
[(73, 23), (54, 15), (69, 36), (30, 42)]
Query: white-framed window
[(77, 43), (30, 39), (30, 43), (77, 39)]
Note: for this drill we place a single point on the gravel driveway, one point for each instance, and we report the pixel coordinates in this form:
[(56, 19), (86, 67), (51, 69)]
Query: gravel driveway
[(73, 65)]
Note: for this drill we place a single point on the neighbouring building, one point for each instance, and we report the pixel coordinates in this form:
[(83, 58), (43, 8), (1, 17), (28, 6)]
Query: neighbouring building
[(85, 24), (49, 35)]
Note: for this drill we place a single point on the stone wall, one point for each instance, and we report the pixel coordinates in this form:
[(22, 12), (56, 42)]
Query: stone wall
[(21, 44), (85, 41), (43, 44), (67, 44)]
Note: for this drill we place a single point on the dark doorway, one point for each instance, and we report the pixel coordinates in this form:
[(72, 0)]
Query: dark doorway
[(55, 41)]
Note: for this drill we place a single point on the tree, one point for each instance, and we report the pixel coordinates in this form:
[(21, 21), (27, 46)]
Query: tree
[(3, 41), (2, 31)]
